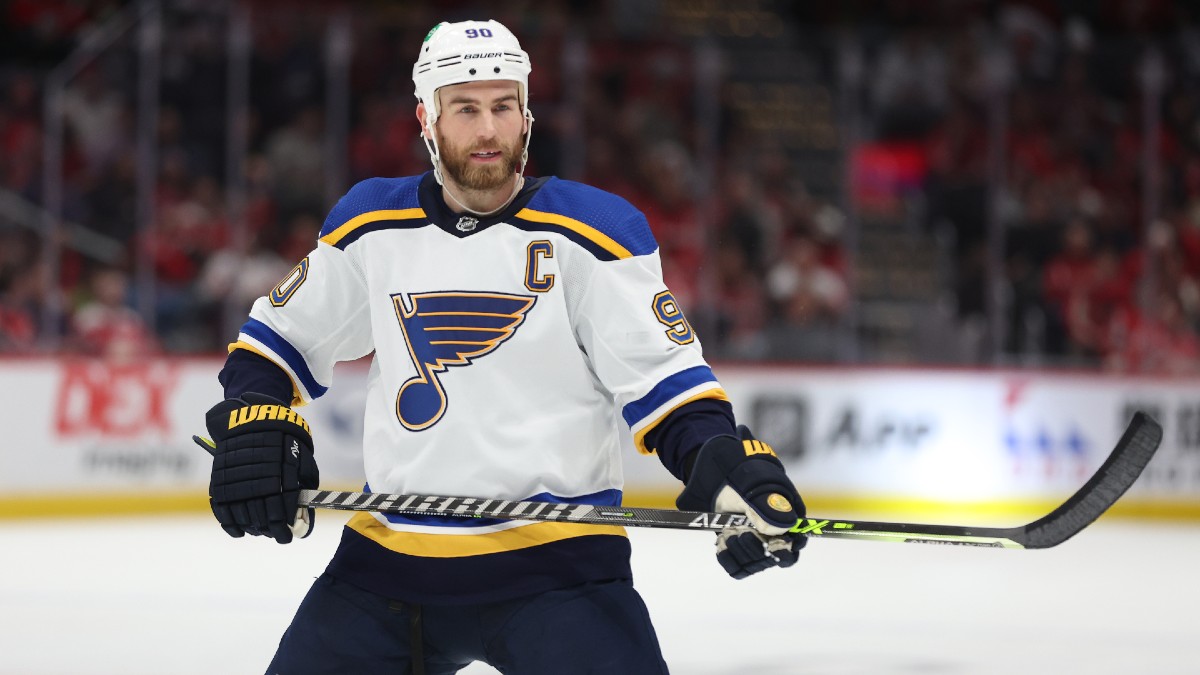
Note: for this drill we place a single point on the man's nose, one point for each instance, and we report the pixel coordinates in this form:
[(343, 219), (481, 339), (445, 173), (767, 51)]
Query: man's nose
[(487, 126)]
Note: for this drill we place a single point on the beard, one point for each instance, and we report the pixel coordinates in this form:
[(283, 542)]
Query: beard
[(457, 164)]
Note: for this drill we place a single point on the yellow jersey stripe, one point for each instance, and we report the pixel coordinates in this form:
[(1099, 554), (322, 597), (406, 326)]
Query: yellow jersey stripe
[(639, 438), (297, 399), (462, 545), (602, 240), (370, 217)]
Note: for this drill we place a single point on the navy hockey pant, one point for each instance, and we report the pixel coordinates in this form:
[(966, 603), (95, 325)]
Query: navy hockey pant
[(600, 628)]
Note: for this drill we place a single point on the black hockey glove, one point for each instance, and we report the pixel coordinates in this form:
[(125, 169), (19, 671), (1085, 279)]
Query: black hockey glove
[(743, 475), (262, 457)]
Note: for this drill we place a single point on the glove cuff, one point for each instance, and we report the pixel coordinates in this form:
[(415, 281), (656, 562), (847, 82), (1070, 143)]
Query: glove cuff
[(706, 477)]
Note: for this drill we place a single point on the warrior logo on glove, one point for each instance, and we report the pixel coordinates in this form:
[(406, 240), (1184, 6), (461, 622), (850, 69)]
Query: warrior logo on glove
[(262, 458), (246, 414)]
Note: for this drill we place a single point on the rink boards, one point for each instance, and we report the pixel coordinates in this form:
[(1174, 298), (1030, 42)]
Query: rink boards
[(86, 436)]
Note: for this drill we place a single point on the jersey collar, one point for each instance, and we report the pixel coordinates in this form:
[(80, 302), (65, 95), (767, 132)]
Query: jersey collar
[(429, 194)]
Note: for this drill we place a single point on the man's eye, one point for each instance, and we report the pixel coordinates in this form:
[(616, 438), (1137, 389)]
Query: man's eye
[(502, 106), (467, 109)]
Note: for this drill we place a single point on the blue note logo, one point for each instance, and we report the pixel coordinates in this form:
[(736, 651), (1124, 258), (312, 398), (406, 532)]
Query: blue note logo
[(449, 328)]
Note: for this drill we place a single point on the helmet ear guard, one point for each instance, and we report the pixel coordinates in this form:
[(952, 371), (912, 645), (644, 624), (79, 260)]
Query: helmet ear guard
[(469, 51)]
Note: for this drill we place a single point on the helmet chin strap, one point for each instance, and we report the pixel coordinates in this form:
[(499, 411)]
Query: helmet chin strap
[(435, 154)]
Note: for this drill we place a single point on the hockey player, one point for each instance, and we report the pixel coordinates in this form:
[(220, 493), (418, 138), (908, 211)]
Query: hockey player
[(522, 335)]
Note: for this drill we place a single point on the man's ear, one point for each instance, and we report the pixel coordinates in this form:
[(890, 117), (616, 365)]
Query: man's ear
[(422, 115)]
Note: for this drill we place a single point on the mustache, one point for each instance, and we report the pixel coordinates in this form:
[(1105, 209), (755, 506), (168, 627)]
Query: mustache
[(495, 146)]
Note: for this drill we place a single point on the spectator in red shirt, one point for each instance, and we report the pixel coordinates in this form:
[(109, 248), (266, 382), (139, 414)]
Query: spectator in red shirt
[(1067, 278), (105, 326), (1158, 342)]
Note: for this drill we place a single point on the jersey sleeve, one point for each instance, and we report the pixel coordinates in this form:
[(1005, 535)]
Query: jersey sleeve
[(315, 317), (318, 314), (640, 344)]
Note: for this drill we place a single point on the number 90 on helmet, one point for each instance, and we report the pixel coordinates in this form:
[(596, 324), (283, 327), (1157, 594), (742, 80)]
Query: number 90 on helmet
[(469, 51)]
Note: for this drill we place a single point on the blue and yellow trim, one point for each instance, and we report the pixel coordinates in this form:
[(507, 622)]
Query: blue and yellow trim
[(373, 221), (665, 390), (606, 225), (672, 391), (284, 355), (297, 397), (598, 243), (461, 545), (639, 436)]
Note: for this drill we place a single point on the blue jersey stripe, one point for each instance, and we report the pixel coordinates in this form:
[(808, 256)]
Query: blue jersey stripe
[(602, 498), (665, 391), (273, 341)]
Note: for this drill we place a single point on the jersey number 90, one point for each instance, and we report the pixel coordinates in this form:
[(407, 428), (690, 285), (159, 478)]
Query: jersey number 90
[(667, 311), (290, 284)]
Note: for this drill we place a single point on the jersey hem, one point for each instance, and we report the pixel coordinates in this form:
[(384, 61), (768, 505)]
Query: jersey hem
[(483, 578)]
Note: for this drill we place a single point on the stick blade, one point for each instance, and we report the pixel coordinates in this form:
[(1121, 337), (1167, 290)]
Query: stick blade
[(1131, 455)]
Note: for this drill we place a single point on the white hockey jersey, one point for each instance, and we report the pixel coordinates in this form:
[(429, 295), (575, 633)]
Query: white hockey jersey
[(514, 356)]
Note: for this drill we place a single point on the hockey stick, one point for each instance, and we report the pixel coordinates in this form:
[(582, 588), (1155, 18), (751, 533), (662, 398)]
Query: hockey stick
[(1111, 480)]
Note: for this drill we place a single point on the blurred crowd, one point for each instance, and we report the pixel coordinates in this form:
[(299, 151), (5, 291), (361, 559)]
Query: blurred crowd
[(1102, 233), (759, 260)]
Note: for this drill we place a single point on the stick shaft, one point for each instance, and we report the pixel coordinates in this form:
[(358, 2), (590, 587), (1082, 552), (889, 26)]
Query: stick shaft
[(1116, 474), (468, 507)]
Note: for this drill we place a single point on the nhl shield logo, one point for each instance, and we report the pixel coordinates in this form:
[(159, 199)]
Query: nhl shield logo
[(466, 224)]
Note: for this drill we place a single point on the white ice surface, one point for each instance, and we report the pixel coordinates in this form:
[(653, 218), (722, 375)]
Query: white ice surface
[(174, 595)]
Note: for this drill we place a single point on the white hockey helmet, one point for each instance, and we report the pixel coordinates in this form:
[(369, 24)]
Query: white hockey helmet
[(469, 51)]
